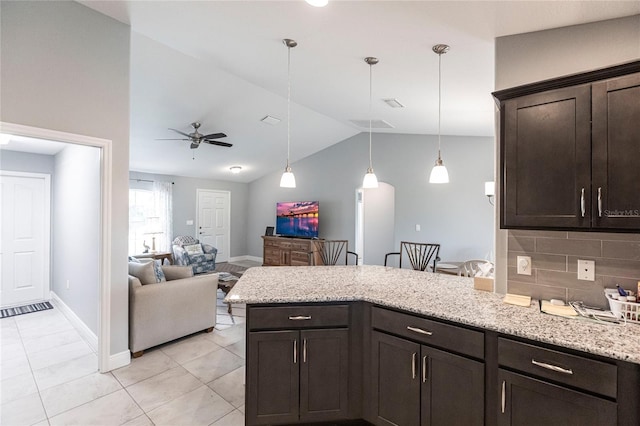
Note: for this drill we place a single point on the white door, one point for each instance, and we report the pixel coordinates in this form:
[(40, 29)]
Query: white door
[(213, 219), (24, 245)]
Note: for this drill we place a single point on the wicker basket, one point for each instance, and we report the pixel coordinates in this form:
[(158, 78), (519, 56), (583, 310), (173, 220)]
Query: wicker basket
[(629, 311)]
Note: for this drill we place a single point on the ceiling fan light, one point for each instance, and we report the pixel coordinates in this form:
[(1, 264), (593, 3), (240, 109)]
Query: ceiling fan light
[(370, 180), (439, 173), (288, 180), (318, 3)]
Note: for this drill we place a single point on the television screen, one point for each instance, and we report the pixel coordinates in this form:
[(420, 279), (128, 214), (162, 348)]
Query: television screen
[(297, 219)]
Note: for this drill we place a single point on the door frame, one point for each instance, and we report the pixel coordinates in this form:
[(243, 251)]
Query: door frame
[(47, 223), (106, 178), (228, 218)]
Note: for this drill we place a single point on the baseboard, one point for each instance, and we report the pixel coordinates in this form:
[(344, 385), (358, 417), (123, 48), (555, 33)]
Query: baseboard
[(86, 333), (119, 360), (246, 257)]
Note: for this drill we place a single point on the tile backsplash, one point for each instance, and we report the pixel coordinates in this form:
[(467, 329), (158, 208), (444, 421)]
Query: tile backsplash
[(554, 262)]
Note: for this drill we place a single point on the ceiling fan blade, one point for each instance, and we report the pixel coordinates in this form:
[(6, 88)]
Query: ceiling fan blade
[(214, 136), (226, 145), (182, 133)]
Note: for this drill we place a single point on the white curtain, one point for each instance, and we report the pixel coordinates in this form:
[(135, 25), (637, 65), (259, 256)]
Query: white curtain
[(164, 210)]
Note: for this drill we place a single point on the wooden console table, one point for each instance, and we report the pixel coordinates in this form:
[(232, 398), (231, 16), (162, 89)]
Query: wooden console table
[(284, 251)]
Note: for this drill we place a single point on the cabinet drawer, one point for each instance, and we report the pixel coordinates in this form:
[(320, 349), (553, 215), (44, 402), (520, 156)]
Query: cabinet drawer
[(576, 371), (434, 333), (292, 317), (300, 256), (300, 245)]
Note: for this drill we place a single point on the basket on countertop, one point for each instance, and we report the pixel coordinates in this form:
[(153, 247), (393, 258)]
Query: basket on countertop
[(630, 311)]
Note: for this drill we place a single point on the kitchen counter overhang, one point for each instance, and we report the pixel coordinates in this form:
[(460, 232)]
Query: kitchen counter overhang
[(439, 296)]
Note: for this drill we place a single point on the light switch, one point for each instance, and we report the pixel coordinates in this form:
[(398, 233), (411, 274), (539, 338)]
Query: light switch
[(586, 270), (524, 265), (418, 228), (190, 222)]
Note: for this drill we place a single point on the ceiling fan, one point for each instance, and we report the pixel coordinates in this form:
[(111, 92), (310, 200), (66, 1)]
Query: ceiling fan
[(196, 137)]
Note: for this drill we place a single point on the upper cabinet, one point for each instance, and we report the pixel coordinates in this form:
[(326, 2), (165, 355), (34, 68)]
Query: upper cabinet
[(570, 152)]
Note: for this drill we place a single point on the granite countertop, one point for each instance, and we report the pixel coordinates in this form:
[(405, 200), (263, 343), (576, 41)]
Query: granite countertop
[(436, 295)]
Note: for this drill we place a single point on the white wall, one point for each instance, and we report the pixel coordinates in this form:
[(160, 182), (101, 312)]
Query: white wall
[(184, 205), (66, 67), (76, 231), (456, 215)]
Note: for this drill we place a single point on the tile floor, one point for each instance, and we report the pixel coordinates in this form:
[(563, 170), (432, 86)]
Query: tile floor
[(49, 376)]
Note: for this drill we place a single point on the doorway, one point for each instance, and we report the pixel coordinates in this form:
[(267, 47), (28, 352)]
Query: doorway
[(25, 241), (375, 223), (213, 220)]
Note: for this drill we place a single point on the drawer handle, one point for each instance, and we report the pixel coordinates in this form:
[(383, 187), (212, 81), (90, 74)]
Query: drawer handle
[(419, 330), (551, 367), (413, 365), (300, 317), (504, 395)]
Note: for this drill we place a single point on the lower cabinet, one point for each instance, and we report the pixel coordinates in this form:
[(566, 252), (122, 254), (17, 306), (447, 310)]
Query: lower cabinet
[(526, 401)]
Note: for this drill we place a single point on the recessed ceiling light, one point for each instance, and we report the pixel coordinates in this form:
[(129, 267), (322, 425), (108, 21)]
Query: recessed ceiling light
[(393, 103), (235, 169), (4, 139), (318, 3), (270, 120)]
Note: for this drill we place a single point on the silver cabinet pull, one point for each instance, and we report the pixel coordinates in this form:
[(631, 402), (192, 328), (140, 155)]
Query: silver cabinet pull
[(504, 395), (600, 201), (295, 351), (419, 330), (413, 365), (582, 206), (424, 369), (300, 317), (551, 367), (304, 350)]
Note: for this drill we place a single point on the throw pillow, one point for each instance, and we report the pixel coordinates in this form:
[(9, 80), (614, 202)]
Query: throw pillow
[(157, 271), (143, 271), (175, 272), (193, 249)]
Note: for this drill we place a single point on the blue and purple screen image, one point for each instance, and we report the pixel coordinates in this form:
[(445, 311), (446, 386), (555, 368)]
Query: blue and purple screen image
[(297, 219)]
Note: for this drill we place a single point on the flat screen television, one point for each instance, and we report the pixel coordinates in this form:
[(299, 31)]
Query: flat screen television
[(297, 219)]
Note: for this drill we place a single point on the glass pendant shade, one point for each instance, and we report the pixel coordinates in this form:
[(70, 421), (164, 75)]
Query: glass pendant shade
[(288, 180), (370, 180), (318, 3), (439, 173)]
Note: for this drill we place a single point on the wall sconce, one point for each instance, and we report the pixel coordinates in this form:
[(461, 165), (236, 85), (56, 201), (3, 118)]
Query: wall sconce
[(490, 191)]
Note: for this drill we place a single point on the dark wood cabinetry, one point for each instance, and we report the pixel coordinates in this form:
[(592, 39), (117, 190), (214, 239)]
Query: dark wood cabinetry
[(283, 251), (569, 152), (300, 375), (416, 384)]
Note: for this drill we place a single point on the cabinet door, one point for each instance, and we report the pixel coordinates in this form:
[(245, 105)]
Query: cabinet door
[(616, 153), (324, 374), (272, 377), (395, 381), (452, 389), (525, 401), (546, 159)]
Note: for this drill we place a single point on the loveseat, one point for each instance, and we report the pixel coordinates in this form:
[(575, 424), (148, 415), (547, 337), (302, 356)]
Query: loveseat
[(163, 311), (188, 251)]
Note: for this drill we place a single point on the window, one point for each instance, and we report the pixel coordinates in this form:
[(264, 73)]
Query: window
[(150, 218)]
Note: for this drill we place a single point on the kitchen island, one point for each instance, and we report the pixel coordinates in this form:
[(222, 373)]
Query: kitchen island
[(365, 312)]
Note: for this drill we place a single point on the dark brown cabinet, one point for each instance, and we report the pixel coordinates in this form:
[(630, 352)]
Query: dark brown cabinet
[(416, 384), (569, 152), (300, 375)]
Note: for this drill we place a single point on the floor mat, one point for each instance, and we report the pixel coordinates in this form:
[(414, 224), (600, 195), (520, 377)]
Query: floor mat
[(26, 309)]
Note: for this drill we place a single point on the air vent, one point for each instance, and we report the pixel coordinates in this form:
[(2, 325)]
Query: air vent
[(375, 124), (270, 120), (393, 103)]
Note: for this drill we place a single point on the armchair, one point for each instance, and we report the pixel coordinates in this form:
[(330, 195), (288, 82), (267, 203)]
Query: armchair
[(163, 311), (187, 251)]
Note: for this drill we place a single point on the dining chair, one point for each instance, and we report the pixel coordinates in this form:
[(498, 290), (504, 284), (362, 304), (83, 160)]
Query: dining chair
[(419, 255), (332, 251)]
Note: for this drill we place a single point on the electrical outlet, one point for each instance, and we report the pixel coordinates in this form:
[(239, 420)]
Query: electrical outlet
[(586, 270), (524, 265), (190, 222), (418, 228), (67, 284)]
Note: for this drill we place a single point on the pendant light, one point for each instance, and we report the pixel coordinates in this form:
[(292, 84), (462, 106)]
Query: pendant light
[(439, 172), (370, 180), (288, 180)]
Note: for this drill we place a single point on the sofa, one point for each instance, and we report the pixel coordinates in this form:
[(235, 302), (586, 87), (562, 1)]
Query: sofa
[(162, 311), (188, 251)]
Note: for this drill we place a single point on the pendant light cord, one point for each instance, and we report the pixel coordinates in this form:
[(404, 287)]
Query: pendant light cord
[(370, 97), (288, 102), (439, 98)]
